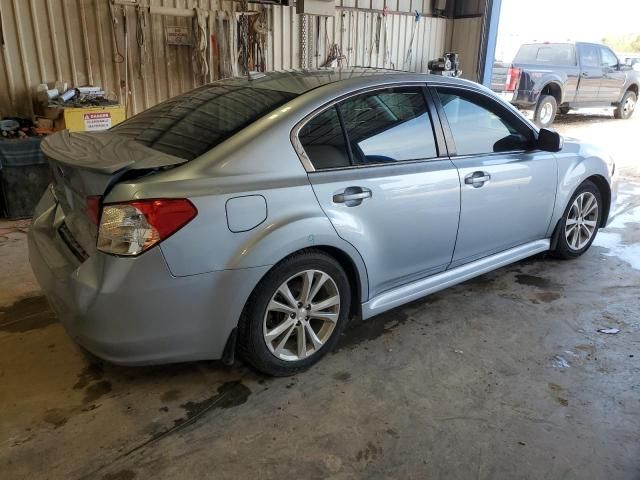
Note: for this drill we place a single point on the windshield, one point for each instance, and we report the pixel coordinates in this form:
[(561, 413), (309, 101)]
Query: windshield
[(193, 123), (546, 54)]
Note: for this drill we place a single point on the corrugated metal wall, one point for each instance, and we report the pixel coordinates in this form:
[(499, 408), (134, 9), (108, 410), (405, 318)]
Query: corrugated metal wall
[(465, 39), (71, 40)]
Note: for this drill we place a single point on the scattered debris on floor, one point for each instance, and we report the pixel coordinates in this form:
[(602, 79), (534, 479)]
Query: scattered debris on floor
[(609, 330), (558, 361)]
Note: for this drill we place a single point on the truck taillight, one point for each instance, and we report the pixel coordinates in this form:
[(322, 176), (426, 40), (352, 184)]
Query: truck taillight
[(131, 228), (513, 76)]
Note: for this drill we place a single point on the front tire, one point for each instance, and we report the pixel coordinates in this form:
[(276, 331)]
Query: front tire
[(545, 112), (627, 106), (580, 222), (295, 314)]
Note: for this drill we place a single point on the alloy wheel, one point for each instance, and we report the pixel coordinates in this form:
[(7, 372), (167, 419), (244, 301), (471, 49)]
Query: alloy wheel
[(301, 315), (582, 221), (629, 106), (546, 112)]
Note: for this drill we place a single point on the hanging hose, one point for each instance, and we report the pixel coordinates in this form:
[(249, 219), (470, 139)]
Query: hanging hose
[(200, 60), (141, 26), (334, 52), (117, 56)]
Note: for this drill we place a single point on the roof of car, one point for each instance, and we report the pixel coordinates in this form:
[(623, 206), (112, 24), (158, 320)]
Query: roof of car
[(302, 81)]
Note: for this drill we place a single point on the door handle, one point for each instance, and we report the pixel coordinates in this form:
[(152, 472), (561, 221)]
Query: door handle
[(477, 179), (352, 196), (585, 74)]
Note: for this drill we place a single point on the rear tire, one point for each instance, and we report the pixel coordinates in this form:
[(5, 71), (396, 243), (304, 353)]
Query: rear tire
[(545, 112), (579, 224), (564, 110), (627, 106), (282, 334)]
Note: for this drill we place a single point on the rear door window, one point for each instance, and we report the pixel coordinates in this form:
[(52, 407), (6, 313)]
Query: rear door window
[(479, 126), (193, 123), (388, 126), (324, 142)]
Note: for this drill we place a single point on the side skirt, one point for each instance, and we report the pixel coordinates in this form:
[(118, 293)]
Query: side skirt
[(420, 288)]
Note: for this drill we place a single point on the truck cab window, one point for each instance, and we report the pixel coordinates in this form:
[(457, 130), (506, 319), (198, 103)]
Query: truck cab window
[(589, 56), (609, 59)]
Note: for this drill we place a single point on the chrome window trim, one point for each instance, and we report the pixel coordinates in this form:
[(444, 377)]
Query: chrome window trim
[(304, 158)]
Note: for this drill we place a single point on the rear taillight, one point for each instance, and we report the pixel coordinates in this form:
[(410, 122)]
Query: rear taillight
[(513, 76), (131, 228)]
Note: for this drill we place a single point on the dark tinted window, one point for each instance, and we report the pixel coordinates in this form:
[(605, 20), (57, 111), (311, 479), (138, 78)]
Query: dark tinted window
[(478, 126), (589, 56), (193, 123), (546, 53), (388, 126), (323, 141)]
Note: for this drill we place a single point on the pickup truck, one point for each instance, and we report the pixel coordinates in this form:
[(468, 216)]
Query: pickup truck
[(556, 77)]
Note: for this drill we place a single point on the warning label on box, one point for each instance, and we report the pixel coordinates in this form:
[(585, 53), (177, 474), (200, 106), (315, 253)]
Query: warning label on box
[(97, 121)]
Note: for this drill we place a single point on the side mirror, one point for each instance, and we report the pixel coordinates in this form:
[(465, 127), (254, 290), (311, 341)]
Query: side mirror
[(549, 140)]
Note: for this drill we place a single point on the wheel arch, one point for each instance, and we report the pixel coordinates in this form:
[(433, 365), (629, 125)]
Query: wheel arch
[(554, 89), (605, 192)]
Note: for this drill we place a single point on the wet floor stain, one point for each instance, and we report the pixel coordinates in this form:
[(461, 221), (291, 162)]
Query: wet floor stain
[(55, 417), (91, 373), (590, 350), (359, 331), (342, 376), (31, 313), (556, 390), (170, 396), (370, 452), (121, 475), (535, 281), (230, 394), (392, 433), (546, 297), (96, 391)]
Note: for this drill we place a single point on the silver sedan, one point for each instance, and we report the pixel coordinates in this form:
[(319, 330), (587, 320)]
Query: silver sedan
[(257, 215)]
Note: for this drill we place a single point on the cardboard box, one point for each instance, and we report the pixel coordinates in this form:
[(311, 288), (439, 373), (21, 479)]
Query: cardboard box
[(90, 119)]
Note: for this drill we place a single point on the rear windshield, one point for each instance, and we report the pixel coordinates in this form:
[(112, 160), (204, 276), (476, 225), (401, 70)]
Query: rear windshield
[(547, 54), (189, 125)]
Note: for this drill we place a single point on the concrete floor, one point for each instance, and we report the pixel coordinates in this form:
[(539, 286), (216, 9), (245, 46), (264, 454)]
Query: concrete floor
[(502, 377)]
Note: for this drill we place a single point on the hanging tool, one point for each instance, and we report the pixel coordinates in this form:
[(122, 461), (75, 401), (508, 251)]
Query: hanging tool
[(126, 60), (117, 56), (141, 27), (408, 58), (387, 44)]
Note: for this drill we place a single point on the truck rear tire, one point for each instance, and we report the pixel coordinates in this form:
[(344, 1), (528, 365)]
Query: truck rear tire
[(627, 105), (545, 111)]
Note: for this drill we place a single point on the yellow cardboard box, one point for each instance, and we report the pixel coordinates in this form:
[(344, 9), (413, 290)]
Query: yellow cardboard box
[(90, 119)]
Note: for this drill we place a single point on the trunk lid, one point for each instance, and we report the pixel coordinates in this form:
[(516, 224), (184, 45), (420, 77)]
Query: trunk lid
[(87, 165)]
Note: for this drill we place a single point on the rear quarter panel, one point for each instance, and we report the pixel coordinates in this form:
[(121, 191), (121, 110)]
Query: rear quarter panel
[(260, 160), (535, 77)]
